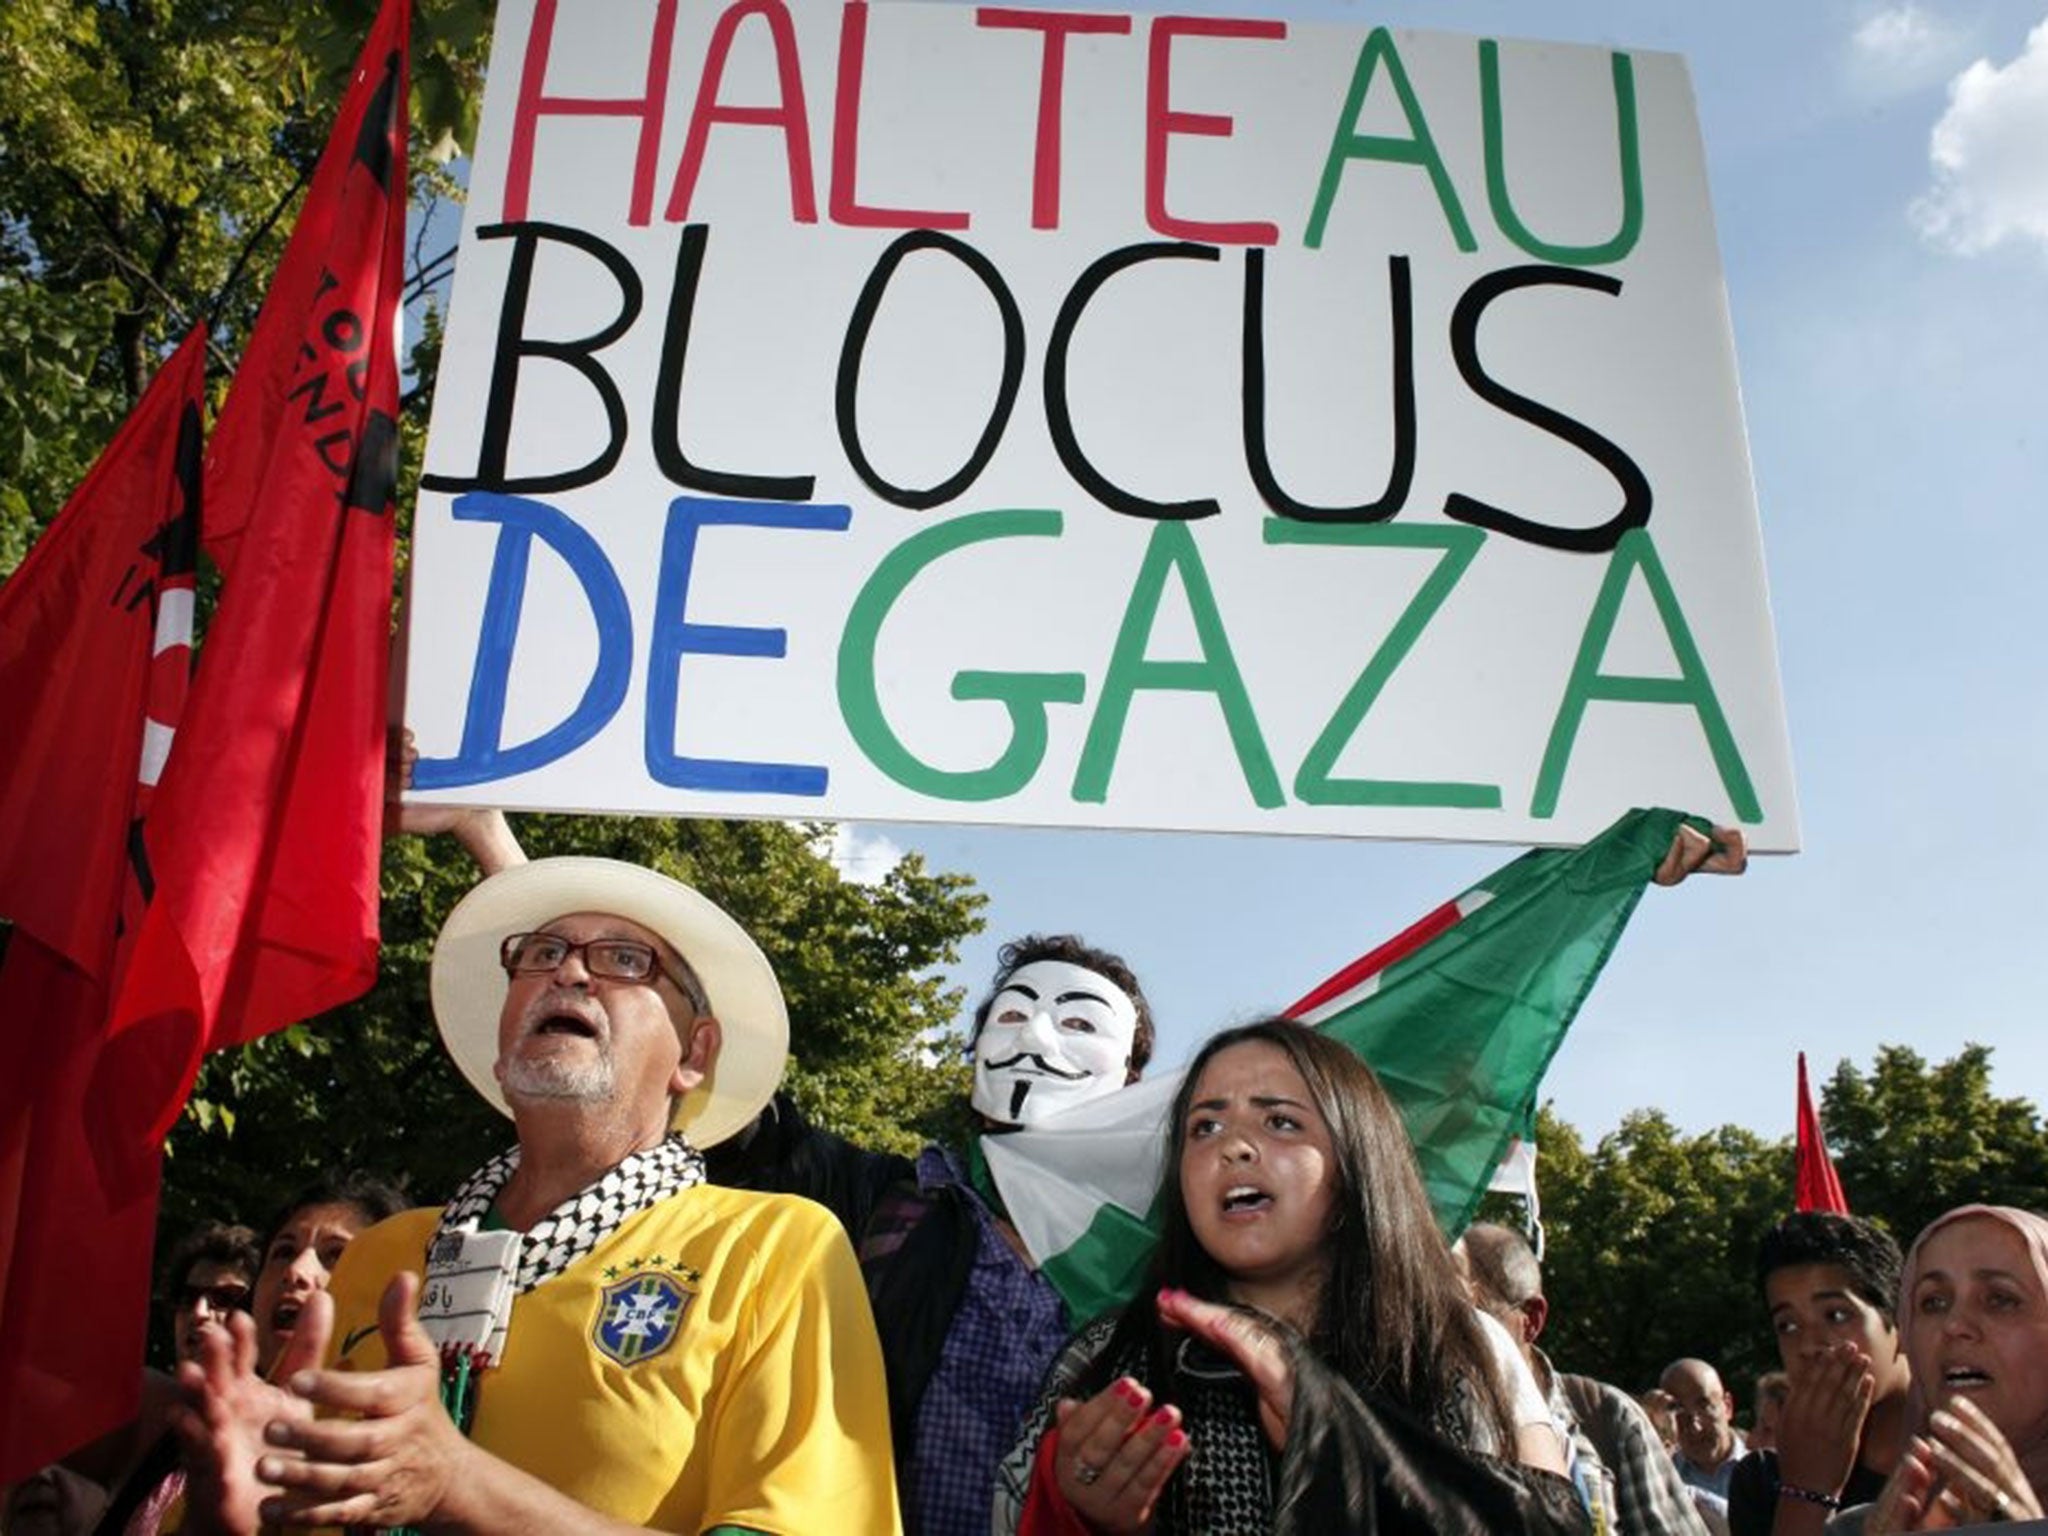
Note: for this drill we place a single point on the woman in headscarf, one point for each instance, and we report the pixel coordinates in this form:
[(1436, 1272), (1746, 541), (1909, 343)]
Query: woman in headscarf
[(1973, 1316)]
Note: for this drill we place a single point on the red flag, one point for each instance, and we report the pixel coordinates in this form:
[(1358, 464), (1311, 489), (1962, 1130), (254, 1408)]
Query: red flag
[(107, 587), (1816, 1186), (271, 395), (265, 834)]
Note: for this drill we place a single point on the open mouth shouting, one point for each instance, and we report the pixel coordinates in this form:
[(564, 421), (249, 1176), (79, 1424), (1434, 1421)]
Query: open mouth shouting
[(1964, 1378), (566, 1024), (1244, 1202), (564, 1015)]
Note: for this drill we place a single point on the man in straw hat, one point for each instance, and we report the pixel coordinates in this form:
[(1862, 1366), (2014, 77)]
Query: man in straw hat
[(588, 1332)]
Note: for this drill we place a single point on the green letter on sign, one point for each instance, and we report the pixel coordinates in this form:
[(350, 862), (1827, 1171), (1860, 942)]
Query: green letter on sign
[(1024, 694), (1419, 149), (1312, 783), (1504, 215), (1692, 686), (1173, 548)]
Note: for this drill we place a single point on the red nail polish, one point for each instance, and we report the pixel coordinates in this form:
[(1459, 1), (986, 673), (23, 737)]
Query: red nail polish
[(1177, 1439)]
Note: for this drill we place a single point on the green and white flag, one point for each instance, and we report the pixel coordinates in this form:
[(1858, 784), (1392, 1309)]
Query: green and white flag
[(1459, 1015)]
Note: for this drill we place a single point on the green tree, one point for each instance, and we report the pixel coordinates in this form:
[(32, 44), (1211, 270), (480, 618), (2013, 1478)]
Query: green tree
[(1651, 1238), (1912, 1140), (151, 153)]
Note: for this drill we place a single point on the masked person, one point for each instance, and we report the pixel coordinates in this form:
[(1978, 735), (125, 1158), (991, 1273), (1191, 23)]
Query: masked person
[(968, 1323)]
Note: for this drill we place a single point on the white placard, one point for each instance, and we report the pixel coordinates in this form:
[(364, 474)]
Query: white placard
[(922, 412)]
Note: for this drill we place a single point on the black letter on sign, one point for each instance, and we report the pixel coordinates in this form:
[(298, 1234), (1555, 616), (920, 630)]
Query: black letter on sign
[(668, 396), (514, 345), (856, 343), (1256, 458), (1059, 419), (1635, 487)]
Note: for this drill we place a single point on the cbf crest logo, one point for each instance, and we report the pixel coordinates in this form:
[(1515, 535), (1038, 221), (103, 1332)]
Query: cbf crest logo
[(639, 1316)]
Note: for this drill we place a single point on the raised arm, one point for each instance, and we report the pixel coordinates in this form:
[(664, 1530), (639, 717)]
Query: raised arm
[(482, 830)]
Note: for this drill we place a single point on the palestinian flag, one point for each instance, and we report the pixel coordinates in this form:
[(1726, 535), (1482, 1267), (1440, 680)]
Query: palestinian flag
[(1459, 1015)]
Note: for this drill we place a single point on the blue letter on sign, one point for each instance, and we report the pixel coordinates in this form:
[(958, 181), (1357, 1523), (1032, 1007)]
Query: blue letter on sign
[(482, 757), (675, 637)]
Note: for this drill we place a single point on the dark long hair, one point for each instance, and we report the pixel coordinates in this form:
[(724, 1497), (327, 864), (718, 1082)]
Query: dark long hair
[(1392, 1316)]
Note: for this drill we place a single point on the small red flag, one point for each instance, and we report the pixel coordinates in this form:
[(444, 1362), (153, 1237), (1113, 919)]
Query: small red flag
[(1816, 1188), (94, 627), (265, 834)]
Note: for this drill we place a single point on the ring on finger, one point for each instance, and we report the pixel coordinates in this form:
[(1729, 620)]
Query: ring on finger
[(1086, 1474), (2003, 1504)]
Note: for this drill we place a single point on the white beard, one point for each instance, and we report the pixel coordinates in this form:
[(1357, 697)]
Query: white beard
[(554, 1077)]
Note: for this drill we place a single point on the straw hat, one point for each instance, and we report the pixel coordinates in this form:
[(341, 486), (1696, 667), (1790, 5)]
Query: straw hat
[(469, 983)]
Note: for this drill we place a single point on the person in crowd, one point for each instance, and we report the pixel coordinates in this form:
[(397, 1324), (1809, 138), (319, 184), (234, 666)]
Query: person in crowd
[(124, 1481), (1709, 1445), (1829, 1283), (588, 1337), (1772, 1388), (1661, 1409), (307, 1238), (211, 1275), (1617, 1461), (1973, 1317), (968, 1323), (1304, 1356)]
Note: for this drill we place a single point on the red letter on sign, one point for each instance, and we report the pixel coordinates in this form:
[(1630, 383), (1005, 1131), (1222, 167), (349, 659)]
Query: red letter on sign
[(1161, 120), (845, 200), (788, 114), (1052, 74), (534, 102)]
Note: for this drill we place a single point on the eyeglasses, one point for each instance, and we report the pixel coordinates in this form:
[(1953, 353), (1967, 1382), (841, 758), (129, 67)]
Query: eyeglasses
[(532, 954), (222, 1296)]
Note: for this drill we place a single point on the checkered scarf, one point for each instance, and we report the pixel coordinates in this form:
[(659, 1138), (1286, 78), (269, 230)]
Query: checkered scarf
[(586, 1218)]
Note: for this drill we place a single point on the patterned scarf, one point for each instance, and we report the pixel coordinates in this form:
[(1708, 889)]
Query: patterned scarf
[(586, 1218)]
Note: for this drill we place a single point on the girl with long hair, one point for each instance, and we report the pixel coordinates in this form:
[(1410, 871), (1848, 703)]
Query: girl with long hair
[(1304, 1347)]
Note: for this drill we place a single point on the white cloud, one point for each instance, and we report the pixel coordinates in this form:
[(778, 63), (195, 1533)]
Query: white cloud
[(1904, 32), (1903, 48), (862, 856), (1990, 171)]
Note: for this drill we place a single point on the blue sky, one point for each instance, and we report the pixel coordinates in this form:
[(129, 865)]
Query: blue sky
[(1881, 188)]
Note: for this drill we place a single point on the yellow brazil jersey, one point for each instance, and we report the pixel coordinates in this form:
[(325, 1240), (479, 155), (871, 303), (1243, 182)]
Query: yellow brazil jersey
[(712, 1362)]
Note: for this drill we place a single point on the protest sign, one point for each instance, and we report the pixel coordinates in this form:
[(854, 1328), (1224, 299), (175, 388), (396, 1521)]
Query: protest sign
[(921, 412)]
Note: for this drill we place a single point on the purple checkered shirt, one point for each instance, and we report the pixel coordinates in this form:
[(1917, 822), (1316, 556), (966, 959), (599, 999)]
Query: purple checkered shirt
[(1009, 1325)]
